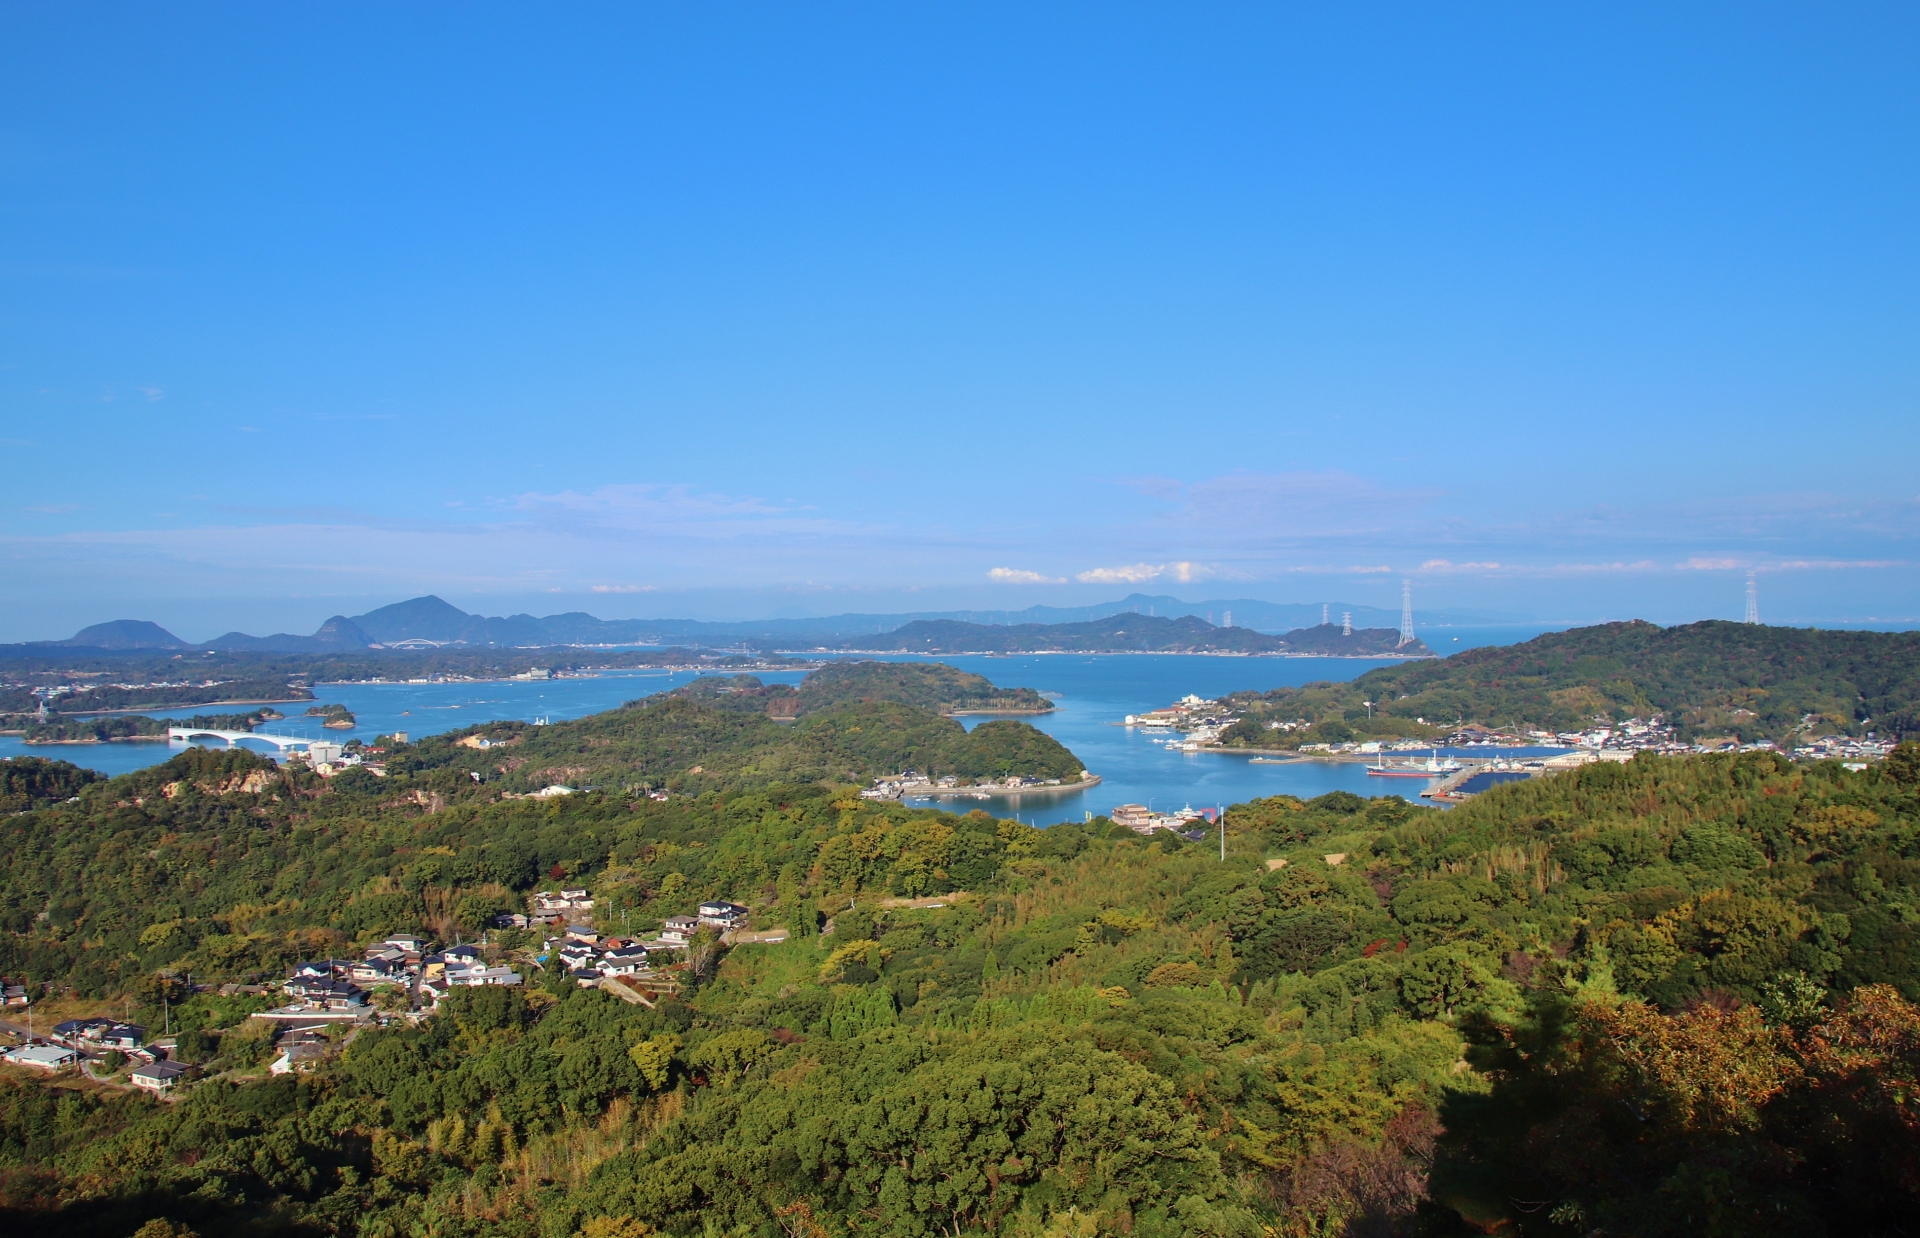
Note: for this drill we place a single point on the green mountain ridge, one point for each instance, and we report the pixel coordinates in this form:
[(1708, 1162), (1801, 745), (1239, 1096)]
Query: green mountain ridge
[(1746, 681)]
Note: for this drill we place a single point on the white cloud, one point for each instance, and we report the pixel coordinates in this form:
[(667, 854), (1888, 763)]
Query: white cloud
[(1020, 576), (622, 589), (1447, 565), (1700, 564), (1131, 574)]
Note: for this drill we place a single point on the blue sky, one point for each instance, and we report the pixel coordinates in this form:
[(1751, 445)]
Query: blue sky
[(1563, 312)]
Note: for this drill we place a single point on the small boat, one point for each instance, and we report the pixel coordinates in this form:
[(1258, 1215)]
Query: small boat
[(1432, 767)]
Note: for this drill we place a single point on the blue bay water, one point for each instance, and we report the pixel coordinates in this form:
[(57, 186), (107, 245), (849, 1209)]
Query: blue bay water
[(1092, 693)]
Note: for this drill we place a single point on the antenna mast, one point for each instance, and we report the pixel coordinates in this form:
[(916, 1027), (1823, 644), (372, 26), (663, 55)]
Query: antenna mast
[(1406, 613), (1753, 599)]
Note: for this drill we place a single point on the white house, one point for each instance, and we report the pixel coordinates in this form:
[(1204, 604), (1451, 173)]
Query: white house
[(722, 915), (42, 1057)]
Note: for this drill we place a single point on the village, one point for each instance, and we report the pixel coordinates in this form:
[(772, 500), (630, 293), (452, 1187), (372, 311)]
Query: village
[(322, 1004)]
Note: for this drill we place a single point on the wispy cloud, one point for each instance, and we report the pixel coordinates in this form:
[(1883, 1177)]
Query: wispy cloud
[(1019, 576), (624, 588)]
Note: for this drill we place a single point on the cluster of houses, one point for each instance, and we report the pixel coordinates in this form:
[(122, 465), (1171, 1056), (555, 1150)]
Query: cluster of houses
[(550, 907), (76, 1040), (912, 782), (1189, 822), (1190, 723), (1843, 748), (908, 782), (335, 990), (588, 957)]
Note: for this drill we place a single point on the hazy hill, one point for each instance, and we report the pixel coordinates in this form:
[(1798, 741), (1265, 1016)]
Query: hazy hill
[(435, 620), (125, 634), (338, 633), (1128, 633)]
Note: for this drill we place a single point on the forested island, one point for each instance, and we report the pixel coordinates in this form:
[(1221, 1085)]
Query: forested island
[(1743, 681), (927, 685)]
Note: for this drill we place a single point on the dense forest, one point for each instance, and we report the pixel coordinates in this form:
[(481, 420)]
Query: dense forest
[(1707, 679), (1662, 998)]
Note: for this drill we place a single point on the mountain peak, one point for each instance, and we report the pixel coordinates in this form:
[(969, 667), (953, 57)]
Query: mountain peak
[(126, 634), (421, 618)]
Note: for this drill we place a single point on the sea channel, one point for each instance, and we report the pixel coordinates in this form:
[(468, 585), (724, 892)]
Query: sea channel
[(1092, 694)]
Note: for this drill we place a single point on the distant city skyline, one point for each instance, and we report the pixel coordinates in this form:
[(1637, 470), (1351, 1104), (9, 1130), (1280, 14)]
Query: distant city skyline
[(1561, 315)]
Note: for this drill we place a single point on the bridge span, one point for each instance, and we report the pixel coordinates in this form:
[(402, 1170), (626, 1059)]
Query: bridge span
[(187, 734)]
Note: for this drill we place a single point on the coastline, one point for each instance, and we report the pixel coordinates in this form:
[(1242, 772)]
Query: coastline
[(995, 791), (148, 709)]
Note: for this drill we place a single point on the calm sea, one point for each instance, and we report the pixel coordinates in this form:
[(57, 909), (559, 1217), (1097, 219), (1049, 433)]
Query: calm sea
[(1092, 694)]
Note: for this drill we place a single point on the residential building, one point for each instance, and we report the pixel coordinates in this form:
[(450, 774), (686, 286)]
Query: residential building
[(159, 1077), (722, 915), (42, 1057), (679, 929)]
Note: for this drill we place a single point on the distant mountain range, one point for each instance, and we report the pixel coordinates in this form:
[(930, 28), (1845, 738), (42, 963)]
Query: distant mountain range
[(1130, 633), (429, 621)]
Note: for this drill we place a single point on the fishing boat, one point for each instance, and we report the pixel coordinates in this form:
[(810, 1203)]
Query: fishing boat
[(1432, 767)]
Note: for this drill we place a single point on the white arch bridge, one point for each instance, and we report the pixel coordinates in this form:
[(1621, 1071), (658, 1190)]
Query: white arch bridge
[(285, 743)]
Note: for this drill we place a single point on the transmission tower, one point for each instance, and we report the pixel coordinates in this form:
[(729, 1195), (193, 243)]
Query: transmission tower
[(1753, 599), (1346, 623), (1323, 614), (1406, 613)]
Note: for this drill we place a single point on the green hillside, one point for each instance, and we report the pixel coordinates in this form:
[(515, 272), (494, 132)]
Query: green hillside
[(683, 744), (1742, 680), (1670, 997), (932, 686)]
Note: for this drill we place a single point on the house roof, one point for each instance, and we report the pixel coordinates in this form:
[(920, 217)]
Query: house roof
[(160, 1070)]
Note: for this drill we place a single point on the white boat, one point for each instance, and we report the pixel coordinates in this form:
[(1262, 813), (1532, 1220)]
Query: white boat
[(1432, 767)]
